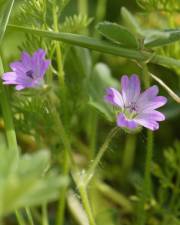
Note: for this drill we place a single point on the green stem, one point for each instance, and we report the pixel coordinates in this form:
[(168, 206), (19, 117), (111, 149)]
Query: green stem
[(9, 126), (64, 136), (92, 131), (66, 167), (101, 46), (58, 47), (62, 200), (128, 155), (44, 215), (20, 218), (146, 192), (86, 204), (83, 7), (80, 185), (101, 152), (5, 17), (61, 206), (100, 10), (83, 179), (149, 156), (29, 216)]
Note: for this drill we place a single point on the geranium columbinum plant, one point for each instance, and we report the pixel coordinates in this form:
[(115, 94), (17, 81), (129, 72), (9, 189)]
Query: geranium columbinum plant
[(28, 72), (136, 109)]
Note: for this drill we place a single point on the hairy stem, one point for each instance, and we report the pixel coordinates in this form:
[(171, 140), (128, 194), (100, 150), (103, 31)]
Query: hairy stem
[(128, 155), (86, 204), (82, 179), (101, 152), (146, 192), (80, 185)]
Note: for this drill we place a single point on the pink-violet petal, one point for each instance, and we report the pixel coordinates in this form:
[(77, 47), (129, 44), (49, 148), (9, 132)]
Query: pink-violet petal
[(122, 121)]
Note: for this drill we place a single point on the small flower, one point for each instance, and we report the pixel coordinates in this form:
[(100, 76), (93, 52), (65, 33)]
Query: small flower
[(136, 109), (28, 72)]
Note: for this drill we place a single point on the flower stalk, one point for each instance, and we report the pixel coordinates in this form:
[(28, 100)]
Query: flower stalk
[(82, 179), (86, 204), (146, 192), (100, 154), (79, 182)]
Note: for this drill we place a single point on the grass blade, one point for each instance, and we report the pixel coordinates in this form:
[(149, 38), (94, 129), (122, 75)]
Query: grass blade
[(101, 46), (6, 7)]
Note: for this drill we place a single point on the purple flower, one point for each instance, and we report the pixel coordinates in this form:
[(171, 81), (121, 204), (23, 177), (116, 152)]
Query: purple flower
[(136, 109), (28, 72)]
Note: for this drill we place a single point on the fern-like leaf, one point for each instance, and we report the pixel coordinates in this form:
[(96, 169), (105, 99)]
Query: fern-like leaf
[(160, 5), (32, 12), (33, 114), (75, 23)]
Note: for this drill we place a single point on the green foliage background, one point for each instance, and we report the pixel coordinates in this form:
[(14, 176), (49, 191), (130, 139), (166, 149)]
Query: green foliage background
[(136, 31)]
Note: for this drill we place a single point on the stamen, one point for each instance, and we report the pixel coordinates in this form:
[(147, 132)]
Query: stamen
[(131, 107), (29, 73), (131, 110)]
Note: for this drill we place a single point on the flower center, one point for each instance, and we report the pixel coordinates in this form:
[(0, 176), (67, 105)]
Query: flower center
[(131, 110), (131, 107), (29, 73)]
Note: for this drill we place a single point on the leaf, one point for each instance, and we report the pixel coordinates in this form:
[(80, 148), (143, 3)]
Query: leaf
[(155, 38), (130, 21), (84, 61), (75, 23), (118, 34), (100, 80), (6, 7), (152, 38), (62, 4), (165, 6), (101, 46), (36, 112), (26, 182), (78, 67), (76, 209)]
